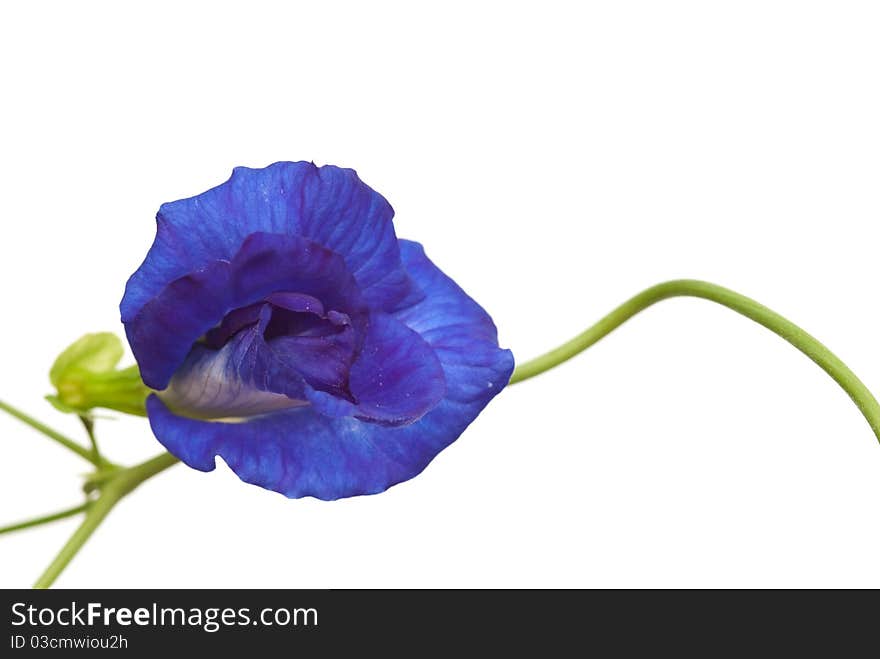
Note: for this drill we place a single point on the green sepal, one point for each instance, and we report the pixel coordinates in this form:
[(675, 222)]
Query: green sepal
[(85, 376), (60, 406), (93, 353)]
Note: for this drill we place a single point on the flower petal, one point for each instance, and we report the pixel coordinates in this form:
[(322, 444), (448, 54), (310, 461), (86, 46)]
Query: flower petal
[(300, 452), (328, 205), (323, 361), (235, 380), (250, 375), (397, 377), (165, 329)]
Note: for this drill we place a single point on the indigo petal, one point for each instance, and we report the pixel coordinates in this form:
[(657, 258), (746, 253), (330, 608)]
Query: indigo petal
[(165, 329), (234, 381), (323, 361), (328, 205), (250, 375), (396, 377), (300, 452), (232, 323)]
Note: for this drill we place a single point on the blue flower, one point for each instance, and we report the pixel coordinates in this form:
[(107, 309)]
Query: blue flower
[(289, 331)]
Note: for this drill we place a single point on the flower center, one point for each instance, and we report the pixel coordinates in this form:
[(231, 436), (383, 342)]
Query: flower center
[(265, 357)]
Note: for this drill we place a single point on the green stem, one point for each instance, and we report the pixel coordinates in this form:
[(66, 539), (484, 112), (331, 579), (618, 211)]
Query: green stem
[(70, 512), (797, 337), (52, 434), (98, 478), (122, 483), (89, 425)]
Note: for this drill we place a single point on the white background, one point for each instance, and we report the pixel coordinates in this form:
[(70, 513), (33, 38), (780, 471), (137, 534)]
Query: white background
[(554, 158)]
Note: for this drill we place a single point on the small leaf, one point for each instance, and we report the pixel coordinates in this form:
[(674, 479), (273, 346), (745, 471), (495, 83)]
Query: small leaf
[(93, 353)]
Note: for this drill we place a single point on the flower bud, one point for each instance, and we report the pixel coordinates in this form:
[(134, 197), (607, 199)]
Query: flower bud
[(85, 376)]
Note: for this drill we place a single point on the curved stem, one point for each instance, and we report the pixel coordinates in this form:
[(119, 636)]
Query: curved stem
[(112, 492), (52, 434), (45, 519), (797, 337)]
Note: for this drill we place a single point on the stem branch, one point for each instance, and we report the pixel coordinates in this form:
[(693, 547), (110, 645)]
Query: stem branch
[(66, 442), (70, 512), (89, 425), (123, 482)]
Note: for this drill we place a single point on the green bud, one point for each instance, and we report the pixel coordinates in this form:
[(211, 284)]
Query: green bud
[(85, 376)]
